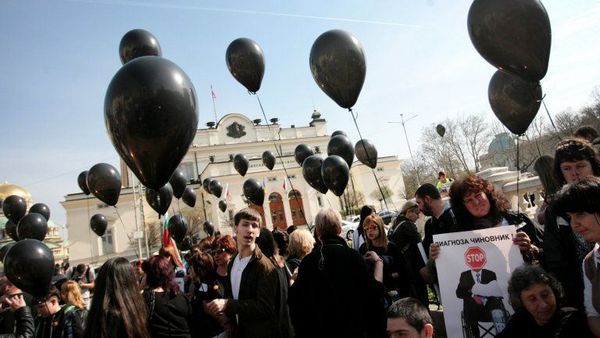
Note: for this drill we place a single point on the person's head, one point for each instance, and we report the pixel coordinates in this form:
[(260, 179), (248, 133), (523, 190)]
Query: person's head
[(581, 201), (291, 229), (202, 264), (281, 239), (442, 176), (328, 222), (266, 243), (247, 228), (365, 211), (575, 159), (301, 243), (81, 268), (374, 229), (424, 197), (116, 295), (543, 167), (473, 197), (48, 305), (587, 133), (206, 244), (224, 248), (71, 294), (409, 318), (160, 273), (410, 210), (532, 289)]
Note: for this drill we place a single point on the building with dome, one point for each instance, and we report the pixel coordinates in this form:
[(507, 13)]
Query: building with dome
[(52, 240), (500, 152), (287, 202)]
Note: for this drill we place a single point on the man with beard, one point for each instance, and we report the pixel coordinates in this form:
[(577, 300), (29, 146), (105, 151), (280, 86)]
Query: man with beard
[(441, 219)]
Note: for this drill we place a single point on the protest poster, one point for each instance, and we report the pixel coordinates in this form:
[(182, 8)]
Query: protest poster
[(473, 271)]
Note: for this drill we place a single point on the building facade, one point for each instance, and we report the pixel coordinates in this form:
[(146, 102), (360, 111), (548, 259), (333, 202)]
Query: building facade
[(287, 201)]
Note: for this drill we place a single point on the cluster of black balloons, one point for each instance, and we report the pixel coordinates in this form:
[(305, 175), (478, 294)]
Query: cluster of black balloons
[(214, 187), (28, 263), (104, 182), (515, 37)]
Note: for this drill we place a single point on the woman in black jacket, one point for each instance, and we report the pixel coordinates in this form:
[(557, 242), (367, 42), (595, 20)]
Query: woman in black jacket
[(23, 318)]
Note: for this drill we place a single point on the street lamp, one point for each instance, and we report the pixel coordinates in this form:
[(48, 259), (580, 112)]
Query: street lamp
[(403, 122)]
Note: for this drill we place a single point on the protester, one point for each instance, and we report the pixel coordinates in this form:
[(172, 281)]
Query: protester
[(70, 294), (205, 289), (282, 238), (581, 202), (169, 312), (118, 309), (536, 297), (8, 319), (23, 319), (224, 248), (335, 295), (301, 244), (85, 277), (587, 133), (252, 291), (409, 318), (358, 236), (564, 249), (442, 220), (443, 184), (404, 230), (54, 321)]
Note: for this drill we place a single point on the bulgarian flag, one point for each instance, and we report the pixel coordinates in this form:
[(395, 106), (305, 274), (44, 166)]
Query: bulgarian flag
[(169, 244)]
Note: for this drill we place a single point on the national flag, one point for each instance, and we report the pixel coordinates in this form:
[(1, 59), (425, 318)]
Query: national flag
[(169, 244), (264, 184), (228, 193), (212, 93), (285, 184)]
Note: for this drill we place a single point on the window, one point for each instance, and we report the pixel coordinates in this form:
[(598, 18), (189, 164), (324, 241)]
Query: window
[(107, 242), (320, 201), (379, 169)]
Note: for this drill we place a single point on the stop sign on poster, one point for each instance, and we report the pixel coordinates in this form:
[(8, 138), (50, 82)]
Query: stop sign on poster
[(475, 258)]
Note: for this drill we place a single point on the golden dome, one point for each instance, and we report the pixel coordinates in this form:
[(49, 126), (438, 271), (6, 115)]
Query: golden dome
[(11, 189)]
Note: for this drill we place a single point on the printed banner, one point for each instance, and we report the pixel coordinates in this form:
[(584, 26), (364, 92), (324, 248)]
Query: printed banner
[(473, 272)]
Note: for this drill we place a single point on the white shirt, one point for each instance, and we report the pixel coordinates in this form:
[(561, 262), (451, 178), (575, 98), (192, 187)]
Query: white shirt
[(587, 287), (239, 264)]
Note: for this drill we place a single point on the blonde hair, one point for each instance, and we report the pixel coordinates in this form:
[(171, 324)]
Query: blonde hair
[(71, 294), (301, 243), (380, 227), (328, 222)]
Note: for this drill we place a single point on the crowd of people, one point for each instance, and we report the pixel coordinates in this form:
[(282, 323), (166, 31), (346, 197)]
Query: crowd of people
[(297, 283)]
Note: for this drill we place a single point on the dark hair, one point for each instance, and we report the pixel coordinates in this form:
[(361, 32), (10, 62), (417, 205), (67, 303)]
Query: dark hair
[(411, 310), (226, 242), (206, 243), (248, 214), (291, 229), (474, 184), (202, 264), (81, 268), (586, 132), (266, 242), (159, 273), (365, 211), (527, 275), (572, 150), (117, 301), (580, 196), (281, 239), (543, 167), (428, 189), (53, 291)]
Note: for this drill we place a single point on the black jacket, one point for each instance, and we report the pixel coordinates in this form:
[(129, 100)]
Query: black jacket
[(334, 294), (24, 324)]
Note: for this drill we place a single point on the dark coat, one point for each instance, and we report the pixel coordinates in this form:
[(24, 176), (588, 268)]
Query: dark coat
[(335, 295), (566, 323), (24, 324), (256, 304)]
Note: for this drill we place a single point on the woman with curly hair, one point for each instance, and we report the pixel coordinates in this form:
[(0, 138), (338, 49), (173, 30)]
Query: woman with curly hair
[(117, 308), (537, 298), (169, 312)]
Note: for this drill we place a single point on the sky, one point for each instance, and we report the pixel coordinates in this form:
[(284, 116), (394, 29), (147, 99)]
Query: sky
[(58, 58)]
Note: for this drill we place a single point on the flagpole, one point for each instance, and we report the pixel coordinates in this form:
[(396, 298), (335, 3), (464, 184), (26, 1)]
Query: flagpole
[(212, 94)]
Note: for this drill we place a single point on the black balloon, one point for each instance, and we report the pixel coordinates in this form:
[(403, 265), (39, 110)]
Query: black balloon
[(206, 184), (42, 209), (216, 188), (339, 132), (246, 63), (82, 182), (209, 228), (311, 170), (441, 130), (301, 152), (513, 35), (366, 153), (335, 174), (178, 183), (177, 228), (11, 230), (32, 226), (151, 115), (160, 199), (223, 205), (189, 197), (254, 191), (340, 145), (14, 208), (241, 163), (4, 249), (136, 43), (337, 63), (268, 159), (29, 265), (104, 182), (98, 224), (514, 100)]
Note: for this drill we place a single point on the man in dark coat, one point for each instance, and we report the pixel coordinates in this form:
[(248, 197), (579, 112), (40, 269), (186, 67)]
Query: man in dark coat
[(335, 294)]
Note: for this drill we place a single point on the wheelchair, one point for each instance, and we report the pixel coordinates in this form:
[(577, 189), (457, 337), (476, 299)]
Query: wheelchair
[(486, 324)]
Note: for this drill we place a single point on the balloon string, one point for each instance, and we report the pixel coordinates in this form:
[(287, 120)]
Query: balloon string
[(550, 117), (178, 206), (518, 177), (90, 229), (369, 159), (281, 160), (125, 231)]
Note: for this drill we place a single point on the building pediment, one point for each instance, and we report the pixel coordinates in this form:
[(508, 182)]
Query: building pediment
[(236, 127)]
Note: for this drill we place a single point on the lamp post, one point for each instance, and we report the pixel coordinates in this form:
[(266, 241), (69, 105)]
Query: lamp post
[(403, 122)]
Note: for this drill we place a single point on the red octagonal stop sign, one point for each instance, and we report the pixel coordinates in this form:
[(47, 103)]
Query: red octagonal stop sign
[(475, 258)]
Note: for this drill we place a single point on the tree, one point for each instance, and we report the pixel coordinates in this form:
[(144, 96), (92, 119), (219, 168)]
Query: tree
[(385, 191)]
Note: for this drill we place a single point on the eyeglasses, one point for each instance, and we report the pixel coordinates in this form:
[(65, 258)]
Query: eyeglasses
[(218, 251)]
